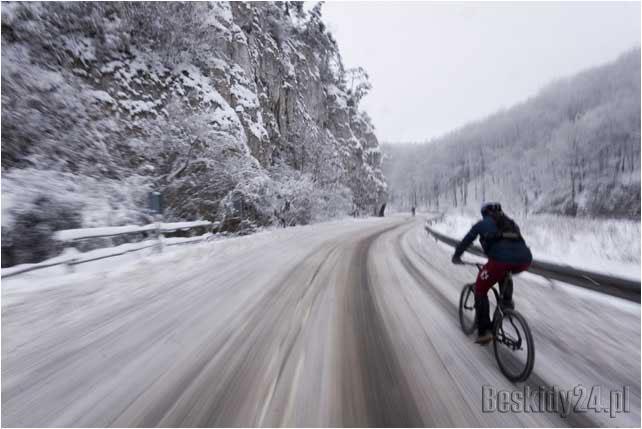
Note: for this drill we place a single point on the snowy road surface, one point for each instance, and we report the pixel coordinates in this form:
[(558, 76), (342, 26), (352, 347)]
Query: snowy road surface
[(349, 323)]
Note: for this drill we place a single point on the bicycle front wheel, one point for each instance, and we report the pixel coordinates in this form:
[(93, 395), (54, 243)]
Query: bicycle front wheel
[(467, 309), (513, 344)]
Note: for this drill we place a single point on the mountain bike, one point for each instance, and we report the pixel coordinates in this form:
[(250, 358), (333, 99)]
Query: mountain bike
[(512, 338)]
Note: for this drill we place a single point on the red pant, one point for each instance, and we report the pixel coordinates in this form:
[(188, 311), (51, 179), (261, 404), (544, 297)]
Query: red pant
[(493, 272)]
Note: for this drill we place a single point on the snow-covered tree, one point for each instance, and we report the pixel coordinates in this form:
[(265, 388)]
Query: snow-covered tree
[(227, 108), (574, 149)]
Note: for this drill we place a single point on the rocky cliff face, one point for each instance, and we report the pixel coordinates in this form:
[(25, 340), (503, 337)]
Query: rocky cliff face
[(229, 109)]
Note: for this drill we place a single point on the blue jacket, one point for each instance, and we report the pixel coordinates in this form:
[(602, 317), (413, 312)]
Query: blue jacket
[(502, 250)]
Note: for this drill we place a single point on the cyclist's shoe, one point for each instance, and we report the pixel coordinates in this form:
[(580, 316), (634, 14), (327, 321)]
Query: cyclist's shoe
[(509, 304), (484, 339)]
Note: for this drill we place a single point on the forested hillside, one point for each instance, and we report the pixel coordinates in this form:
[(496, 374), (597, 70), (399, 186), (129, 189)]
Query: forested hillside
[(572, 149), (231, 110)]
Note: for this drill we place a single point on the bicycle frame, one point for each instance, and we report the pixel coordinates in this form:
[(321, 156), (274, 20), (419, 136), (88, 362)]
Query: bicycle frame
[(514, 344), (502, 337), (499, 296), (505, 319)]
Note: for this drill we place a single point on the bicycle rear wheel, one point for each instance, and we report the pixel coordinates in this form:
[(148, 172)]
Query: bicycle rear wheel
[(513, 344), (467, 309)]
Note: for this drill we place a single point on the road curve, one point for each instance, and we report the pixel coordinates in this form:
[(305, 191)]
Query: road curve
[(339, 324)]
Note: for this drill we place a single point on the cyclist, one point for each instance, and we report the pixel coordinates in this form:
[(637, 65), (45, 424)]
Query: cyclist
[(506, 250)]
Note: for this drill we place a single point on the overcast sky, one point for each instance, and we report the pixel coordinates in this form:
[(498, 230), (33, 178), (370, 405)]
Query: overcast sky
[(436, 66)]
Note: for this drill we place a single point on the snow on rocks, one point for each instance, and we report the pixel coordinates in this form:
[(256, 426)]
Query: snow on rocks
[(241, 98)]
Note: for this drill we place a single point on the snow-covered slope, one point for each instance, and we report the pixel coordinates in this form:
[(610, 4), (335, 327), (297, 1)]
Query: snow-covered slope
[(572, 149), (229, 109), (605, 246)]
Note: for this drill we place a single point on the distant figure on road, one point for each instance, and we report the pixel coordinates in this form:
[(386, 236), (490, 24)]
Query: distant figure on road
[(413, 211), (506, 249)]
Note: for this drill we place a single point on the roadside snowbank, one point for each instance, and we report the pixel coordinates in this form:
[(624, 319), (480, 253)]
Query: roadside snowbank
[(71, 256), (606, 246), (130, 256)]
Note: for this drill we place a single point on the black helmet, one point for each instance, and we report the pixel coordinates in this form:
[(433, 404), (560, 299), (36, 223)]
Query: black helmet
[(488, 208)]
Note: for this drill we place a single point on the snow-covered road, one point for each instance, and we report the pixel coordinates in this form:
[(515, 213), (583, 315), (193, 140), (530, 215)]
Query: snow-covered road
[(349, 323)]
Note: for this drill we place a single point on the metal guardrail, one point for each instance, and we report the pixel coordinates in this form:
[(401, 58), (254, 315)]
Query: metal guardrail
[(84, 234), (115, 231), (611, 285)]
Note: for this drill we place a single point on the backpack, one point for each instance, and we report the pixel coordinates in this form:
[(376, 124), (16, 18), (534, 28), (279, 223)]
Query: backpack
[(507, 229)]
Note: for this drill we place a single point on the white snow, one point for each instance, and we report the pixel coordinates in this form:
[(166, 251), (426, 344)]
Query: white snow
[(66, 256), (111, 66), (76, 234), (338, 94), (71, 255), (630, 307), (173, 226), (101, 202), (123, 258), (244, 96), (242, 89), (223, 114), (139, 106), (101, 96), (605, 246), (234, 276), (220, 17), (80, 233), (81, 47)]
